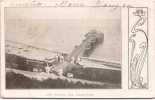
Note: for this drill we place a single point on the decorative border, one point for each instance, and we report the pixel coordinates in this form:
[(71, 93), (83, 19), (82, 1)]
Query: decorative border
[(138, 47)]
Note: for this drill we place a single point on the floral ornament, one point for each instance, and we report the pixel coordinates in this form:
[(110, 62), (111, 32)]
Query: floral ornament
[(138, 42)]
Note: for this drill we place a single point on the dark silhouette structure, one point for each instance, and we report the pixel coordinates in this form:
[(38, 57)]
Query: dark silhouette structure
[(88, 45)]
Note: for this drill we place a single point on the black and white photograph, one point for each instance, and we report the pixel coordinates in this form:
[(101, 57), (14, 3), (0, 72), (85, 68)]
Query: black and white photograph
[(77, 48)]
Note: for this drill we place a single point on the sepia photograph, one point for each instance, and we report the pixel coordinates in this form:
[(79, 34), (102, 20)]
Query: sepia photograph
[(63, 48), (77, 49)]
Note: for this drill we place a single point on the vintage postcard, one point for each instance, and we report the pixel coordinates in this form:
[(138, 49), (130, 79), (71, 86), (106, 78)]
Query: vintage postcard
[(77, 49)]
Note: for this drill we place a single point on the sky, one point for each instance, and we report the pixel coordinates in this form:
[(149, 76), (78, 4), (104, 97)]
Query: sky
[(60, 29)]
